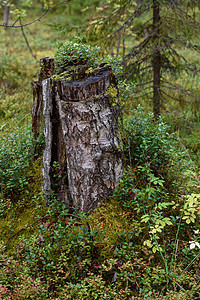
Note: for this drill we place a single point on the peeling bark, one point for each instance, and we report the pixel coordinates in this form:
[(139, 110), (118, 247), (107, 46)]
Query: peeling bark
[(37, 107), (47, 113), (81, 136), (157, 61)]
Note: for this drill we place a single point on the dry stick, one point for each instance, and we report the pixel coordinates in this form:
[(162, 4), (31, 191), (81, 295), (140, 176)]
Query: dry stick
[(38, 19), (7, 107), (105, 18), (15, 21), (187, 155), (26, 40), (176, 87), (178, 285), (174, 98), (188, 19), (119, 39), (24, 228)]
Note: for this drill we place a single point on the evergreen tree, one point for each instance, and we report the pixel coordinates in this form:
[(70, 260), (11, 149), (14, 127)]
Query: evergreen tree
[(155, 32)]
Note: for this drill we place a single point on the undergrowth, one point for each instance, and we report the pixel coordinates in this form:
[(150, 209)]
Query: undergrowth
[(143, 243)]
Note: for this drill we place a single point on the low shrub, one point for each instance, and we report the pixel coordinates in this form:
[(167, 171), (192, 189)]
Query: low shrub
[(143, 243), (74, 53), (17, 152)]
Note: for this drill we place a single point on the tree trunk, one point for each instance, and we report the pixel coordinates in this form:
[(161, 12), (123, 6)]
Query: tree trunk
[(6, 12), (82, 162), (156, 60)]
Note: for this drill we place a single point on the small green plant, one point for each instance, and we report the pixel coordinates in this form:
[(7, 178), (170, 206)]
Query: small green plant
[(18, 149), (15, 157), (74, 53), (150, 143), (155, 163), (150, 188), (191, 208)]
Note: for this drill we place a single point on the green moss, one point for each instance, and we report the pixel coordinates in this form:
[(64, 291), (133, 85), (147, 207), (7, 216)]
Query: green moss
[(30, 206), (61, 76), (109, 221), (76, 72), (73, 73), (90, 71), (113, 94)]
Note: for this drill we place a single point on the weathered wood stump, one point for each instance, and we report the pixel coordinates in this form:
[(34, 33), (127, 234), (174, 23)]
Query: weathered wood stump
[(82, 160)]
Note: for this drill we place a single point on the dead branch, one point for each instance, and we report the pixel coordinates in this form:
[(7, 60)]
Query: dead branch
[(24, 228), (176, 87), (7, 107), (36, 20), (26, 40)]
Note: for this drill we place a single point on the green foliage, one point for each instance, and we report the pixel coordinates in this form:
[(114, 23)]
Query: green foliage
[(17, 152), (140, 33), (61, 243), (149, 143), (15, 281), (143, 243), (75, 53), (150, 188), (15, 157), (154, 161), (63, 259), (12, 73), (191, 208)]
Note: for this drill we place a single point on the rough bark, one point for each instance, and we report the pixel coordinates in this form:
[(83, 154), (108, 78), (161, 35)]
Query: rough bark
[(47, 70), (37, 107), (81, 136), (157, 60), (47, 113)]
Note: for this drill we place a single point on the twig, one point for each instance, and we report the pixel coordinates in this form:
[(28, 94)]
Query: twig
[(16, 21), (26, 40), (7, 107), (24, 228), (36, 20), (174, 98), (106, 18), (176, 87), (178, 284)]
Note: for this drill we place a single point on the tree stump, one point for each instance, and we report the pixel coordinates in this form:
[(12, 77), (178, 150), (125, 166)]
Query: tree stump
[(82, 161)]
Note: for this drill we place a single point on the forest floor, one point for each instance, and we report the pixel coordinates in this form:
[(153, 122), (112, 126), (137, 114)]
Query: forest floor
[(131, 253)]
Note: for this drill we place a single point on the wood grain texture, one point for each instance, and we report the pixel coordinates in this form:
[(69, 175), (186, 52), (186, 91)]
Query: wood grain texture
[(81, 135)]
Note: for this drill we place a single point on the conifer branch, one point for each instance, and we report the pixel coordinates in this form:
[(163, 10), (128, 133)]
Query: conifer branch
[(125, 25), (183, 91)]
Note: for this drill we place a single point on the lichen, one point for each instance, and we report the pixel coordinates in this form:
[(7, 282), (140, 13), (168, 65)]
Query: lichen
[(89, 71), (61, 76), (76, 72), (113, 94)]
